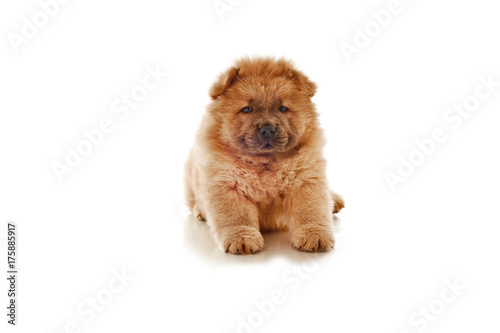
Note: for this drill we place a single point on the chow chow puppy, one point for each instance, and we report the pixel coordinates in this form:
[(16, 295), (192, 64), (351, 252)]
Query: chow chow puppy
[(257, 164)]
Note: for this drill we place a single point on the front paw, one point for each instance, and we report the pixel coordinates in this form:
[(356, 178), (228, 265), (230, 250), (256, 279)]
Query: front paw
[(313, 238), (242, 240)]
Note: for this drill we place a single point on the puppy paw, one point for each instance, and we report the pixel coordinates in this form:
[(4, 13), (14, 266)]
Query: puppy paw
[(338, 202), (313, 238), (242, 240), (197, 212)]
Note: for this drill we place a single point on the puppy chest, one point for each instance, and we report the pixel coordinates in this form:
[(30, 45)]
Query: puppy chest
[(264, 184)]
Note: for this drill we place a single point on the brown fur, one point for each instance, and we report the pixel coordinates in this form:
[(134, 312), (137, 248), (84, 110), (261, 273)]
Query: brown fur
[(242, 186)]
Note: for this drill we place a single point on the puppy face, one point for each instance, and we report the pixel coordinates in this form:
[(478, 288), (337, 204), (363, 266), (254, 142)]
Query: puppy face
[(262, 106)]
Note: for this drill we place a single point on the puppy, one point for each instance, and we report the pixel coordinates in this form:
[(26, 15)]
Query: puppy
[(257, 164)]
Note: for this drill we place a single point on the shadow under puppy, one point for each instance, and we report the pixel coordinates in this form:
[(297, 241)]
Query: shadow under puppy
[(257, 163)]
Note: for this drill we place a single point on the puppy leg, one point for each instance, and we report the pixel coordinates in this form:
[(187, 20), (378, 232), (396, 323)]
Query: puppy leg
[(235, 223), (311, 224)]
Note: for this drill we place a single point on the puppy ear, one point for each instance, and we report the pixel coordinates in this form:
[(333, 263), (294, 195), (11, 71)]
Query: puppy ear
[(303, 82), (223, 83)]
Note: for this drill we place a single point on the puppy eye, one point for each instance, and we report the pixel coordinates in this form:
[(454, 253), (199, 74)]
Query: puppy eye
[(248, 109), (283, 108)]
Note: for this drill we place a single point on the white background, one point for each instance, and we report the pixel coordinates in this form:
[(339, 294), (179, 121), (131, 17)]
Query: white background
[(121, 208)]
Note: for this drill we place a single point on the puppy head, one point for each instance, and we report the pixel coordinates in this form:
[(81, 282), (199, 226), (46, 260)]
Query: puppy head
[(262, 106)]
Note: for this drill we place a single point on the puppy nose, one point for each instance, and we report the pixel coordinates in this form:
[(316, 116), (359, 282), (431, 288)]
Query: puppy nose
[(268, 132)]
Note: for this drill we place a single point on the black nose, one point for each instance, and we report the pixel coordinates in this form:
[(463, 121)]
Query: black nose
[(268, 132)]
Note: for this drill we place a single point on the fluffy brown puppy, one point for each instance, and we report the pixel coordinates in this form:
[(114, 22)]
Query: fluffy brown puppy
[(257, 164)]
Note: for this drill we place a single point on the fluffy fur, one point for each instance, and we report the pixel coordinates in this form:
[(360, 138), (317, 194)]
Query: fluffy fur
[(243, 182)]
